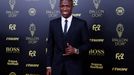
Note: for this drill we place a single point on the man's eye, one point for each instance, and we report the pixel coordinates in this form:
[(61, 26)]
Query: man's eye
[(65, 6)]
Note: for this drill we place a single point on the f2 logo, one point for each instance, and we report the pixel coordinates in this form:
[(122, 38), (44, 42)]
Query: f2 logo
[(12, 27), (32, 53), (119, 56), (96, 27)]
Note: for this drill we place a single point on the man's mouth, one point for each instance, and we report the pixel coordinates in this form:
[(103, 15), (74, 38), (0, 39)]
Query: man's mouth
[(65, 12)]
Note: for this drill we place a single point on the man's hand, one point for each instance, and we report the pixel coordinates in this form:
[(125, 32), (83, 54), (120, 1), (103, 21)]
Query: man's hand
[(48, 71), (69, 50)]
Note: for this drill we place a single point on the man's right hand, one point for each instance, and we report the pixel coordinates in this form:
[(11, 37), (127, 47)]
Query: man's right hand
[(48, 71)]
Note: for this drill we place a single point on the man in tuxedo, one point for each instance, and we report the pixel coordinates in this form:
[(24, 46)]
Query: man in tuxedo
[(67, 41)]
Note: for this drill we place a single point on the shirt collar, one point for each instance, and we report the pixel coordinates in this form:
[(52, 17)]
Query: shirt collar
[(69, 18)]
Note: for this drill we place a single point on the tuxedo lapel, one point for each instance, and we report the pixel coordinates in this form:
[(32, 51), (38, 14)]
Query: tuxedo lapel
[(59, 27), (72, 26)]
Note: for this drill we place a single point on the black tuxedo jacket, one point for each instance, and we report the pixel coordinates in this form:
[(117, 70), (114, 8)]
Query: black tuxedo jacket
[(77, 36)]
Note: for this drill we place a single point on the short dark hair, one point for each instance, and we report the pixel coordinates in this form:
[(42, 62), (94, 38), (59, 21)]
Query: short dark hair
[(68, 0)]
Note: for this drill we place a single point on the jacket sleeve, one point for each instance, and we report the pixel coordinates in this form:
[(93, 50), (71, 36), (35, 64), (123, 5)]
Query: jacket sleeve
[(50, 46), (85, 38)]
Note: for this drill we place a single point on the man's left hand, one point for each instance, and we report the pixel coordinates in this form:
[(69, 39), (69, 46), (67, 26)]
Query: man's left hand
[(69, 50)]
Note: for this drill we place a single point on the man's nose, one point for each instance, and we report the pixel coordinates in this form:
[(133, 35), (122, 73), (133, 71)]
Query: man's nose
[(64, 8)]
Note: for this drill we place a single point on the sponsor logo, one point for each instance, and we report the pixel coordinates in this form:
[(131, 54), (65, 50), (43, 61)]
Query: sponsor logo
[(96, 52), (119, 56), (96, 27), (76, 14), (96, 12), (119, 69), (33, 39), (12, 62), (120, 41), (75, 2), (32, 11), (96, 40), (32, 53), (12, 38), (12, 50), (53, 12), (12, 13), (12, 27), (120, 11), (96, 66), (12, 73), (32, 65)]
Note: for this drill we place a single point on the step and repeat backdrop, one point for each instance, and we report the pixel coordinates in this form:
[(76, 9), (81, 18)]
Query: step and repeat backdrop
[(24, 30)]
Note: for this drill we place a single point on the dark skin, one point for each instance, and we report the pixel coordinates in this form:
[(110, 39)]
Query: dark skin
[(66, 7)]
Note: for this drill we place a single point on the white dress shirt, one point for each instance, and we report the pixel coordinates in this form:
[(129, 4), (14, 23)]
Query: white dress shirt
[(69, 20)]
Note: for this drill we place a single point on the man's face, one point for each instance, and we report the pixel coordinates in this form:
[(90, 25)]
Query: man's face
[(66, 8)]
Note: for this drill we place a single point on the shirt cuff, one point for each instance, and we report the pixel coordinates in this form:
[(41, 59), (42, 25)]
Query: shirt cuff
[(48, 67), (76, 51)]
